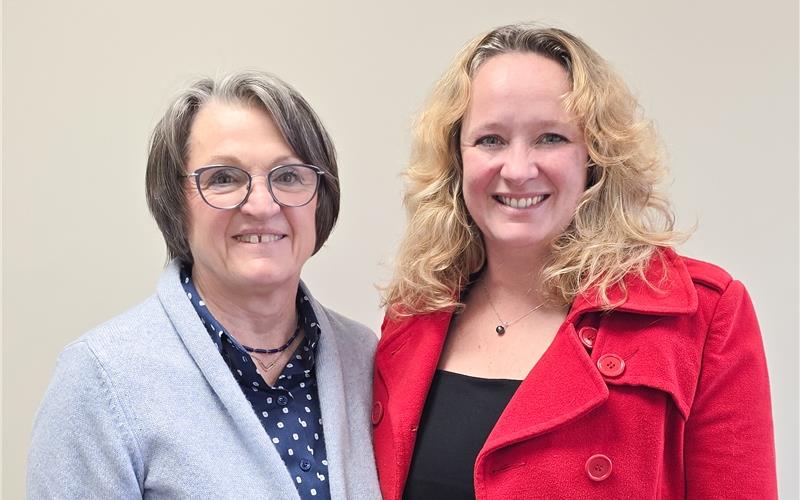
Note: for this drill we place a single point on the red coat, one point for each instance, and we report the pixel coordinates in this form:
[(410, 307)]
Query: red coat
[(666, 397)]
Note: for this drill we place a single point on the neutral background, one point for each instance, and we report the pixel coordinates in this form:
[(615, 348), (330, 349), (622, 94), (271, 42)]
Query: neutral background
[(85, 81)]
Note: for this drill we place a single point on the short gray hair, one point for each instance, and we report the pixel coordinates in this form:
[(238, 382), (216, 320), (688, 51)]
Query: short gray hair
[(169, 149)]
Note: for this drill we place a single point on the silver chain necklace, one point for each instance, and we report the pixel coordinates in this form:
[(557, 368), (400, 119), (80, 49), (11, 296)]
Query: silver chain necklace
[(501, 328)]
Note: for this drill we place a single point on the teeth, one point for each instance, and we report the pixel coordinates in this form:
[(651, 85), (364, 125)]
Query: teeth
[(258, 238), (520, 202)]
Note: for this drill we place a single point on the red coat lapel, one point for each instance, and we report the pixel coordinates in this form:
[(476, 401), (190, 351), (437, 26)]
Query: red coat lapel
[(562, 386)]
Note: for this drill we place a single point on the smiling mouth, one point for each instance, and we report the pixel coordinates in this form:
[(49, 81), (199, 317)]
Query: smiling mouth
[(259, 238), (520, 202)]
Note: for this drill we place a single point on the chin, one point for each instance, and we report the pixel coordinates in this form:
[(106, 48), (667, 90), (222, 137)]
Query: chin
[(265, 280), (259, 273), (521, 240)]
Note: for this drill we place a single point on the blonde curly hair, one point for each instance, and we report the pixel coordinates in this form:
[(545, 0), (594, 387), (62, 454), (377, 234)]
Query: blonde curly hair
[(619, 222)]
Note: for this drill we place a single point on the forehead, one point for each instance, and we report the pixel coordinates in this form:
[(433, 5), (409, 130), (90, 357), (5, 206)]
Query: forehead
[(235, 130), (520, 73), (518, 87), (222, 117)]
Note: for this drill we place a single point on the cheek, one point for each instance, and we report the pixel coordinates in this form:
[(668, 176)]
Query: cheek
[(204, 224), (192, 218), (304, 226), (475, 183), (194, 213), (470, 194), (573, 173)]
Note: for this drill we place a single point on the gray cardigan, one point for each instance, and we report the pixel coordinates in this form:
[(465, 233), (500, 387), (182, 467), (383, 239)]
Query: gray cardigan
[(144, 406)]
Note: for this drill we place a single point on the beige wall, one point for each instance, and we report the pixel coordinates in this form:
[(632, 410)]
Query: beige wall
[(84, 82)]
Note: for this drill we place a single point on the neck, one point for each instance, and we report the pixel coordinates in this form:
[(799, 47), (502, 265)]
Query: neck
[(514, 274), (257, 318)]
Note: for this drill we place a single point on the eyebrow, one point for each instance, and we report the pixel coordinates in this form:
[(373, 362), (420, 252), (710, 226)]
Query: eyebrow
[(225, 160), (235, 161), (495, 125)]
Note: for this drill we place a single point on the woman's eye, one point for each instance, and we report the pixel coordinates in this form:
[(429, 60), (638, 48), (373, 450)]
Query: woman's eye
[(552, 139), (221, 179), (489, 141), (287, 178), (225, 177)]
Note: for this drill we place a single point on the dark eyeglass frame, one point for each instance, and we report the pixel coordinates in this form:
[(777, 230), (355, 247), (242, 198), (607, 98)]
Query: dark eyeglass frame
[(196, 174)]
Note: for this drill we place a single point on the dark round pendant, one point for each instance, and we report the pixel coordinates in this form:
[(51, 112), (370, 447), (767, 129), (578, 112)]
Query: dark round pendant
[(500, 329)]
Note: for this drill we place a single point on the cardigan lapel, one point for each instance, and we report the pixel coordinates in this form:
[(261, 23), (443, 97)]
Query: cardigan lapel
[(331, 390), (202, 349)]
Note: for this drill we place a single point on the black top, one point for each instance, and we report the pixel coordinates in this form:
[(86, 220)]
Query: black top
[(459, 414)]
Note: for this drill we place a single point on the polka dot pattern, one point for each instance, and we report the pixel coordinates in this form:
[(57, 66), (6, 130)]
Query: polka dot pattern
[(289, 411)]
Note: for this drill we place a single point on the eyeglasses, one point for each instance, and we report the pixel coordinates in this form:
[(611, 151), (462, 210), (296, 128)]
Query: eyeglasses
[(225, 187)]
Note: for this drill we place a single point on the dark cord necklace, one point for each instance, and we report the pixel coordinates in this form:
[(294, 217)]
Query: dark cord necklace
[(276, 349)]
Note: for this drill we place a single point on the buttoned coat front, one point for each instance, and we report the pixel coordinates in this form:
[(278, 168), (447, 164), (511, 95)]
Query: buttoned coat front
[(665, 397)]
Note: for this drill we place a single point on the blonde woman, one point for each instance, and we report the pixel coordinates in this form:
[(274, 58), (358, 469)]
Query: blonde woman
[(543, 339)]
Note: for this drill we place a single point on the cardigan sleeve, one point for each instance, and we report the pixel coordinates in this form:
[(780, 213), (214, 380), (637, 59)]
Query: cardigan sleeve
[(729, 446), (82, 445)]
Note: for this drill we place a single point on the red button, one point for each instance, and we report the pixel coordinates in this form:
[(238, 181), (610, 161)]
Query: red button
[(377, 412), (587, 335), (611, 365), (598, 467)]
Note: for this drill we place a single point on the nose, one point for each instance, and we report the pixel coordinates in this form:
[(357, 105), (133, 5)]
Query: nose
[(520, 164), (260, 202)]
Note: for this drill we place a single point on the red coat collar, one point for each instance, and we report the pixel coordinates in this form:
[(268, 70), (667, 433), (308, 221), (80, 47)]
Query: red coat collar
[(667, 291)]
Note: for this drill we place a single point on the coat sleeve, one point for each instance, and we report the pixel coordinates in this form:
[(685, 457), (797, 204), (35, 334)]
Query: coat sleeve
[(82, 445), (729, 445)]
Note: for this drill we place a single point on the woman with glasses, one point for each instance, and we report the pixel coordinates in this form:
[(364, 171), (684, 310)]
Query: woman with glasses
[(543, 339), (231, 381)]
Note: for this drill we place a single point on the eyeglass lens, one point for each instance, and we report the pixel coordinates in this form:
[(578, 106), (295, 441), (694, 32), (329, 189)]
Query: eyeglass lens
[(228, 187)]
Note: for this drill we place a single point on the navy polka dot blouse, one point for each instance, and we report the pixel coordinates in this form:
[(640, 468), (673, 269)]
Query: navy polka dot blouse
[(289, 411)]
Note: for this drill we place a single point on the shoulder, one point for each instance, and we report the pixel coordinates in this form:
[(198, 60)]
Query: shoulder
[(353, 330), (399, 326), (712, 284), (348, 347), (145, 313), (355, 334), (110, 359), (133, 348), (150, 326), (707, 274), (722, 308), (721, 297), (397, 318), (140, 327), (112, 353), (686, 286), (96, 374), (676, 284)]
